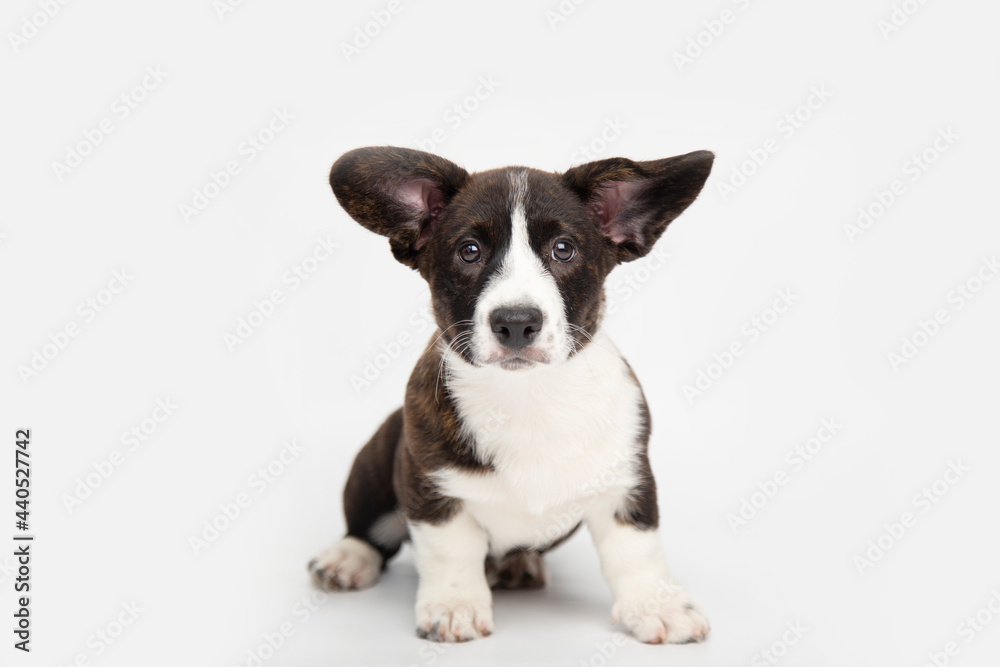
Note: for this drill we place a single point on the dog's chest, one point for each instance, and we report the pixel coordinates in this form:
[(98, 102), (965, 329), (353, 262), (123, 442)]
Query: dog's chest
[(558, 438)]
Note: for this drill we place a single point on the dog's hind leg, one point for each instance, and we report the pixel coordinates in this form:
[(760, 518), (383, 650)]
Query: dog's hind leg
[(375, 528), (520, 568)]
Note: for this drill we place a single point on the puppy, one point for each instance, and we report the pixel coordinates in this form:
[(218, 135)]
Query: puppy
[(521, 420)]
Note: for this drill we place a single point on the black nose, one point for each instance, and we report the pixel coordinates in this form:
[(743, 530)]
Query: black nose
[(516, 327)]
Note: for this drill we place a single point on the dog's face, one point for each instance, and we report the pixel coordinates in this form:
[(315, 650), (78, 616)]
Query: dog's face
[(515, 258)]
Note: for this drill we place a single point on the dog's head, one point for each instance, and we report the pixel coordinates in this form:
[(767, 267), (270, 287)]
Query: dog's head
[(515, 258)]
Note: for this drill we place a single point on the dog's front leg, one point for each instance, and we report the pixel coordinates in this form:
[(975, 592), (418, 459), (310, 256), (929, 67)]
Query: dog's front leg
[(454, 603), (647, 600)]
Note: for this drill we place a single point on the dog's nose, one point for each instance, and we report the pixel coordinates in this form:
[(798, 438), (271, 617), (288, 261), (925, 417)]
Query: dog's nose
[(516, 327)]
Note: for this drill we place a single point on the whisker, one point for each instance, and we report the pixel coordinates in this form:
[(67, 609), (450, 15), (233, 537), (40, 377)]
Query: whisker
[(464, 339), (456, 324), (574, 327), (583, 331)]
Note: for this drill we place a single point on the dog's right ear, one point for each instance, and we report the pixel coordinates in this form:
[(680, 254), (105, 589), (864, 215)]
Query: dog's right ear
[(399, 193)]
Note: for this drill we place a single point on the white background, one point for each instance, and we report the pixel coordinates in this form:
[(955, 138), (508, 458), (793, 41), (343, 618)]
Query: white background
[(559, 83)]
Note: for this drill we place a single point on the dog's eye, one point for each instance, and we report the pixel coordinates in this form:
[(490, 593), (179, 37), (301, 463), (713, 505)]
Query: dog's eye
[(469, 253), (563, 251)]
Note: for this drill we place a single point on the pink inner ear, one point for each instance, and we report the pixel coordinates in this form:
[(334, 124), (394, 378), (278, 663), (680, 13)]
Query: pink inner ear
[(609, 202), (427, 201)]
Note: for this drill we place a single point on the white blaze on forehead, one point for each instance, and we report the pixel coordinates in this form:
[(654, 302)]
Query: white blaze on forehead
[(522, 280), (519, 252)]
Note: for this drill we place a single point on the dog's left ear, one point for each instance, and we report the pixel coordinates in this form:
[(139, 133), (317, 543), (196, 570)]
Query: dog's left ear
[(633, 202), (399, 193)]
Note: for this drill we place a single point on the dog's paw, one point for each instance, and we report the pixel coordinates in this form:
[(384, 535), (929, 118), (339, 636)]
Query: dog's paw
[(665, 614), (455, 621), (518, 569), (350, 564)]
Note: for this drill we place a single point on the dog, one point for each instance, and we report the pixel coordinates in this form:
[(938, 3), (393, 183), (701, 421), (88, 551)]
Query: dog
[(521, 420)]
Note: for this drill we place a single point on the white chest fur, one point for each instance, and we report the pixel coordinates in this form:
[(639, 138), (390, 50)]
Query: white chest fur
[(559, 437)]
